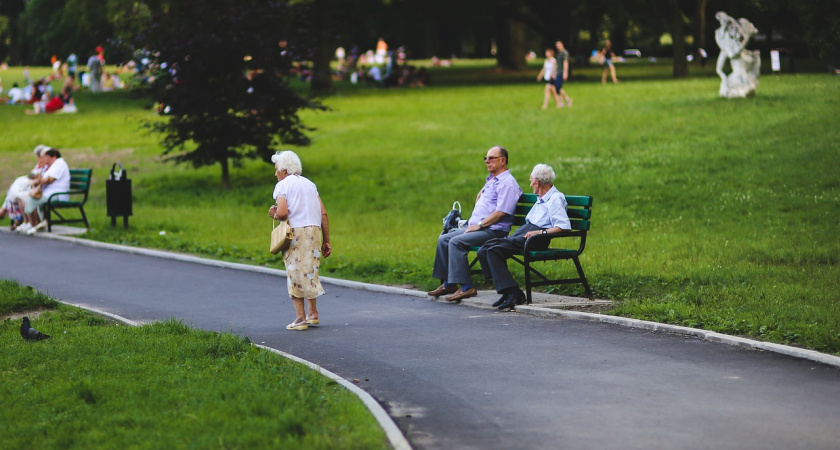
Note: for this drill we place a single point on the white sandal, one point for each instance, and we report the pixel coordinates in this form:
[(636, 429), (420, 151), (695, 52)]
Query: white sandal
[(297, 326)]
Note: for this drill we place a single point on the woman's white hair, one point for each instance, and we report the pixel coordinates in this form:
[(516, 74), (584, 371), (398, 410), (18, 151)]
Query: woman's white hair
[(287, 160), (40, 149), (543, 173)]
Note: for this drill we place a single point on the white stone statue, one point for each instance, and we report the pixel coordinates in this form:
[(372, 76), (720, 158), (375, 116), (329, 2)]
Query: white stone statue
[(732, 38)]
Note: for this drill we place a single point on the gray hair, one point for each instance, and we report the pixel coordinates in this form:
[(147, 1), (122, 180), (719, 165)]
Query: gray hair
[(40, 149), (543, 173), (287, 160)]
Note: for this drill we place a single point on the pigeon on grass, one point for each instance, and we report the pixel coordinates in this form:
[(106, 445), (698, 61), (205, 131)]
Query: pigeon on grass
[(29, 333)]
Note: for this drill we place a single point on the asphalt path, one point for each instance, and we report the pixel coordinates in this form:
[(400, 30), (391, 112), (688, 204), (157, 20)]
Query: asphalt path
[(455, 376)]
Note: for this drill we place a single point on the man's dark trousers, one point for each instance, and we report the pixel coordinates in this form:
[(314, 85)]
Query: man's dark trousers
[(493, 256)]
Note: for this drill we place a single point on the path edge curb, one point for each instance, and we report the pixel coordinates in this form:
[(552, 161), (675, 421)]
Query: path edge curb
[(707, 335)]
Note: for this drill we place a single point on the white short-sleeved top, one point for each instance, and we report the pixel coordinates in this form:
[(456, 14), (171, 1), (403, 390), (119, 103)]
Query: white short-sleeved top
[(60, 172), (302, 200)]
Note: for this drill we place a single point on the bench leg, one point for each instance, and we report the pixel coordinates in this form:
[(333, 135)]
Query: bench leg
[(527, 282), (47, 217), (84, 217), (583, 278)]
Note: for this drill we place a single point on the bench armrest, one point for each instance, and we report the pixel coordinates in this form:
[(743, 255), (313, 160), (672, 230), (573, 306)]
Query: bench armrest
[(542, 241), (49, 200)]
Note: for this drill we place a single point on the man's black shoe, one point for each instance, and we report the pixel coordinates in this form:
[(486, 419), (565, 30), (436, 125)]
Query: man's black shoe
[(517, 297), (504, 298)]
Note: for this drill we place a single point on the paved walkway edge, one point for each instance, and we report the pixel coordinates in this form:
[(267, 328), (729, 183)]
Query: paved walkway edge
[(392, 432), (712, 336)]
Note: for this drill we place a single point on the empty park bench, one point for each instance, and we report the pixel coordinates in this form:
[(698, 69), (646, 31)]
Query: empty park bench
[(580, 211), (79, 187)]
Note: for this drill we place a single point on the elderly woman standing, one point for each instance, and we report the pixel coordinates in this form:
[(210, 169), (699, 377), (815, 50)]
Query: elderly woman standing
[(298, 202)]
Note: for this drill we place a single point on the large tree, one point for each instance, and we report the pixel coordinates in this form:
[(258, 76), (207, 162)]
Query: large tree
[(222, 80)]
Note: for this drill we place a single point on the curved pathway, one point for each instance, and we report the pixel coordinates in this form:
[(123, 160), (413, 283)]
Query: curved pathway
[(454, 376)]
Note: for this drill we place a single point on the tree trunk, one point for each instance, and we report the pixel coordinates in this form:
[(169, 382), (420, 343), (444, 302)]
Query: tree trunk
[(511, 45), (225, 173), (324, 45), (675, 19), (15, 42), (700, 30)]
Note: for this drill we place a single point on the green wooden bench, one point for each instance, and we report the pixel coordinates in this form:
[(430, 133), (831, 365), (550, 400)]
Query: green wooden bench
[(79, 187), (580, 211)]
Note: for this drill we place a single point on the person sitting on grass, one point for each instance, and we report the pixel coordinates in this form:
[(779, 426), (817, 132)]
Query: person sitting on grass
[(548, 215), (36, 91), (49, 104), (67, 99), (15, 96)]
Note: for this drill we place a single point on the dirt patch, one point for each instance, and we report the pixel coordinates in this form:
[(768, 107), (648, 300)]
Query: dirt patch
[(595, 309), (87, 157), (20, 315)]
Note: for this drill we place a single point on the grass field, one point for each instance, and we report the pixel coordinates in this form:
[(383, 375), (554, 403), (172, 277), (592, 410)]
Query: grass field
[(710, 213), (97, 384)]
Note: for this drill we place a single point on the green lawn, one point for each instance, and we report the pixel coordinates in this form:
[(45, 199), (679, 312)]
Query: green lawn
[(98, 384), (709, 213)]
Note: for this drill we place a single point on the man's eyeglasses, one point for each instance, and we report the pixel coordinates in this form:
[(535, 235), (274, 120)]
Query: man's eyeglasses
[(491, 158)]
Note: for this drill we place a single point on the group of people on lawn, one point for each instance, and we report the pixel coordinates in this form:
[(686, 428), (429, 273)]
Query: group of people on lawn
[(488, 227), (29, 193)]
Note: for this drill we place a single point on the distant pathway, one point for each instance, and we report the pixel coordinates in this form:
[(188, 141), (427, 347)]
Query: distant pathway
[(463, 377)]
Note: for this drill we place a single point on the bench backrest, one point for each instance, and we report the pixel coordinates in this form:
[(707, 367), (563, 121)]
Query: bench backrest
[(579, 210), (80, 179)]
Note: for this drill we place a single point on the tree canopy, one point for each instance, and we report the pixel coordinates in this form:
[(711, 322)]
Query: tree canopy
[(33, 30), (220, 79)]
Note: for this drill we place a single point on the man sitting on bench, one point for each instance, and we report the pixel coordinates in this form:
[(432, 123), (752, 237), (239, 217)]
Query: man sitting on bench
[(548, 215), (492, 217)]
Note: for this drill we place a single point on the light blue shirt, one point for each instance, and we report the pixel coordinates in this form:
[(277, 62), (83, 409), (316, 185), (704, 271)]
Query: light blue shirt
[(550, 211)]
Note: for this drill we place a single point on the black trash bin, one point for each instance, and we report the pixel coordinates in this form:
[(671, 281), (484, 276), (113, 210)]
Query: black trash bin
[(118, 195)]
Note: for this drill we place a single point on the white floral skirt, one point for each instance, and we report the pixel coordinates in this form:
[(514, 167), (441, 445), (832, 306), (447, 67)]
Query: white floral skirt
[(303, 262)]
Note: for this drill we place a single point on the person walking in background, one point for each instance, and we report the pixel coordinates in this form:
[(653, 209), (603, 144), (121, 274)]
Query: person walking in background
[(297, 201), (562, 57), (72, 64), (381, 51), (548, 215), (492, 217), (548, 73), (607, 56), (94, 66)]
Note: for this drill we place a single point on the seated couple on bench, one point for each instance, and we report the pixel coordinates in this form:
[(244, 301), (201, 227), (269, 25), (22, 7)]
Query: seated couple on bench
[(499, 206)]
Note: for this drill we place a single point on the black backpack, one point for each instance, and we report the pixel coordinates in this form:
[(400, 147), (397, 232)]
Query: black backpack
[(450, 222)]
